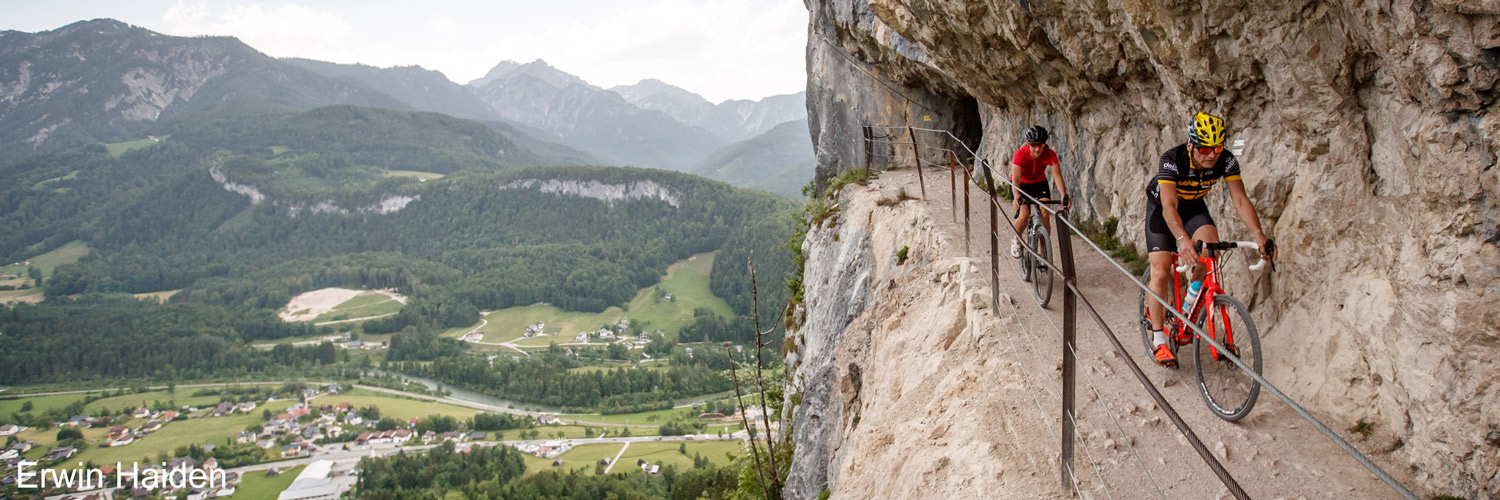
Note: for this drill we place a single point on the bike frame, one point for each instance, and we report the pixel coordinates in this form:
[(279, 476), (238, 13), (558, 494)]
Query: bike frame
[(1203, 307)]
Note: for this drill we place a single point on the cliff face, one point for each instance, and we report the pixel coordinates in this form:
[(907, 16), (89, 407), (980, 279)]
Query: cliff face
[(1369, 149)]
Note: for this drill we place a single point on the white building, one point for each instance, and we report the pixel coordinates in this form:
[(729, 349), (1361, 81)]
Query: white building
[(312, 484)]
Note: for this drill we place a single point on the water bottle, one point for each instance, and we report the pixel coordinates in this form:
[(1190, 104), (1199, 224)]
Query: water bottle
[(1192, 295)]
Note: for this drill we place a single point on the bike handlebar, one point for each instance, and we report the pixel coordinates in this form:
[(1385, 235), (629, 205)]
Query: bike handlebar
[(1226, 245)]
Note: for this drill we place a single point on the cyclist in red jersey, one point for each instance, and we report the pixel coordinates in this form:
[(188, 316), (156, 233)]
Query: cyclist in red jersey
[(1028, 169), (1178, 215)]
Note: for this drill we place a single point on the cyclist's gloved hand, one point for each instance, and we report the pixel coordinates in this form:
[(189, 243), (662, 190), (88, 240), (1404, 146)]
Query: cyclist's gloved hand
[(1067, 202), (1188, 253)]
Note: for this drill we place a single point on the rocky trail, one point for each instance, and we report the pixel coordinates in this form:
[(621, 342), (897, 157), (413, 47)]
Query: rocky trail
[(942, 396)]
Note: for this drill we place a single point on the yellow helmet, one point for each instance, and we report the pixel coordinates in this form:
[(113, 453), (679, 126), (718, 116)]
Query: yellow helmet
[(1207, 130)]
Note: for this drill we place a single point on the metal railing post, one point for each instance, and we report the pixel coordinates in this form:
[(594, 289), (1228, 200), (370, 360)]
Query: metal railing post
[(989, 182), (952, 186), (1070, 359), (917, 154), (868, 136), (968, 181)]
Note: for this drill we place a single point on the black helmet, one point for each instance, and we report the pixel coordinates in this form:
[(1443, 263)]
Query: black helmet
[(1035, 135)]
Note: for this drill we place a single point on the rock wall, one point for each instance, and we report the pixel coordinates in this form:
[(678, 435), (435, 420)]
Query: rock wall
[(1369, 149), (600, 191)]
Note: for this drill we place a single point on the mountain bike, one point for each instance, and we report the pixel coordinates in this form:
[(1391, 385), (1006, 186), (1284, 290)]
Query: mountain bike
[(1229, 392), (1034, 269)]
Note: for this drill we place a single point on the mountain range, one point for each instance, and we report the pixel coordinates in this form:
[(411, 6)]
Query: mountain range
[(108, 81)]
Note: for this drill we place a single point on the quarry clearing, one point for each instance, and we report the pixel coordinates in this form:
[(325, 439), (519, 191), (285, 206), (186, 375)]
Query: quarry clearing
[(310, 305), (944, 396)]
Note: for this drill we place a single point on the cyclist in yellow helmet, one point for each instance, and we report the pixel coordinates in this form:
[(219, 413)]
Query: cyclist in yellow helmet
[(1178, 215)]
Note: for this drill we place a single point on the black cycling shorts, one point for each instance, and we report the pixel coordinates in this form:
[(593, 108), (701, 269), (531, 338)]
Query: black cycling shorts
[(1159, 238), (1038, 190)]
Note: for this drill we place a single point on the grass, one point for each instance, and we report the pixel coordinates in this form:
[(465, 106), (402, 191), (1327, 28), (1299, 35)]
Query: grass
[(1364, 428), (43, 185), (645, 417), (278, 150), (66, 254), (256, 486), (577, 431), (39, 404), (396, 407), (46, 439), (190, 432), (686, 281), (667, 453), (587, 455), (162, 296), (119, 148), (374, 304), (31, 296), (147, 399), (1105, 235), (413, 174)]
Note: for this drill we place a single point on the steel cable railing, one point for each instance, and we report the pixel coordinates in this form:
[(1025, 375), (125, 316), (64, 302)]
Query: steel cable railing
[(1073, 290)]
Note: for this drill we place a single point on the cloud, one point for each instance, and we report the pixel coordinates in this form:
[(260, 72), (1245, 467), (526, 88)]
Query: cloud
[(284, 30), (721, 49), (443, 24)]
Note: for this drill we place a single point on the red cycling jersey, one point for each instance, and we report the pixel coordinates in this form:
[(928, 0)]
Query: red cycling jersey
[(1033, 170)]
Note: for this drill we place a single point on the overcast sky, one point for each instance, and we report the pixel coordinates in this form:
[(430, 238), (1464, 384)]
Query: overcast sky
[(720, 49)]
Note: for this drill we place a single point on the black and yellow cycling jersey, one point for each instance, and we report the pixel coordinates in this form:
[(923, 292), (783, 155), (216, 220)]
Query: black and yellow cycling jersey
[(1192, 184)]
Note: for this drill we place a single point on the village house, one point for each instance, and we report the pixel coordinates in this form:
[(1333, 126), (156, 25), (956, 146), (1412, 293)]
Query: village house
[(79, 420), (454, 436), (141, 413), (223, 409), (246, 437), (292, 450), (265, 444), (428, 436), (122, 440), (549, 419), (60, 453), (118, 430), (581, 337), (245, 407), (149, 427), (398, 437), (10, 429), (168, 415)]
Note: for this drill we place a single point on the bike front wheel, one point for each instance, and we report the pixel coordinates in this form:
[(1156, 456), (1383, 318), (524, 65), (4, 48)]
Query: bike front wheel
[(1228, 390), (1041, 276), (1025, 260)]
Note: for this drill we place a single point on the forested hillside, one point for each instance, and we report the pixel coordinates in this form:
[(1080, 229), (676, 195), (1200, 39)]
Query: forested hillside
[(306, 212)]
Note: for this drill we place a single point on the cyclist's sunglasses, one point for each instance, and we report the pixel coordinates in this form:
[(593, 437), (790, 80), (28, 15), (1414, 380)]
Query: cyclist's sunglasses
[(1209, 150), (1037, 144)]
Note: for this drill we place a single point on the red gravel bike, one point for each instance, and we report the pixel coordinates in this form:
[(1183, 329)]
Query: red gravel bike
[(1228, 390)]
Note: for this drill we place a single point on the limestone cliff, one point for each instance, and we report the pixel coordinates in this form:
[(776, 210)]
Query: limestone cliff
[(1369, 149)]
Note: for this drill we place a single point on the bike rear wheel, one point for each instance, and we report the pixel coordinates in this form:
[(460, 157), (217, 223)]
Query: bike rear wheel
[(1228, 390), (1041, 276)]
